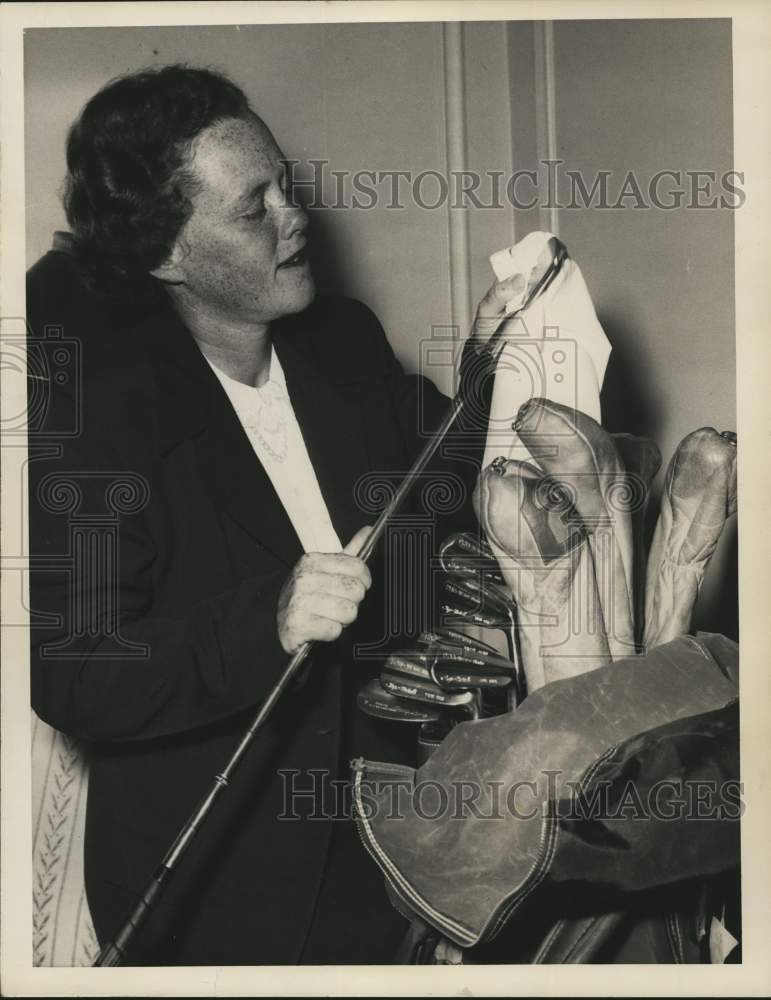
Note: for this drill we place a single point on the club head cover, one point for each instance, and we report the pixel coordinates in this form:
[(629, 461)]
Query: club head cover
[(699, 495), (530, 529), (642, 460), (544, 556), (583, 459)]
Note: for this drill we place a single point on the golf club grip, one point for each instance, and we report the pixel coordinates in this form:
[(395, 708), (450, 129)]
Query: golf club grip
[(114, 951)]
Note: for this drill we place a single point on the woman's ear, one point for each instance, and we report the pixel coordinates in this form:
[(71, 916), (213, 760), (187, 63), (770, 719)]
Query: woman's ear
[(170, 272)]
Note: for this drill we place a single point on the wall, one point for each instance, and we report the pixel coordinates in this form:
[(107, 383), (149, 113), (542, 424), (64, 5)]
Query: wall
[(363, 97), (644, 96), (611, 95)]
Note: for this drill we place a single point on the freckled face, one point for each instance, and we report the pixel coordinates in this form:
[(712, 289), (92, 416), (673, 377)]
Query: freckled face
[(242, 249)]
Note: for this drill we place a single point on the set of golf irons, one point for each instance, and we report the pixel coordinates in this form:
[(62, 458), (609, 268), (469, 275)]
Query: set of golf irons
[(450, 676)]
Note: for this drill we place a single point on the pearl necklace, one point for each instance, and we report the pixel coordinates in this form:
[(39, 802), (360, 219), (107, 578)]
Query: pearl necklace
[(266, 418)]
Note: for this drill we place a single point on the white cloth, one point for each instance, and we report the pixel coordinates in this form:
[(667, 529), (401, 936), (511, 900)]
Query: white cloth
[(267, 416), (554, 349)]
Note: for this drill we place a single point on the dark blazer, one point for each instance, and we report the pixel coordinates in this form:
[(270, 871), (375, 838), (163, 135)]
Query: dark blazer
[(162, 671)]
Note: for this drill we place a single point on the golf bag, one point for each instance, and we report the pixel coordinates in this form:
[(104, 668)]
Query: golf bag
[(598, 821)]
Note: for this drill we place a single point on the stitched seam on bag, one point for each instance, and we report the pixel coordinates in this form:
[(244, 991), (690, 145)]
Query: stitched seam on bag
[(541, 865), (401, 884), (695, 642), (533, 878)]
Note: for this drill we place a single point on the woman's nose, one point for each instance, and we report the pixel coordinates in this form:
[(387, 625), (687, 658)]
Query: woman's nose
[(294, 218)]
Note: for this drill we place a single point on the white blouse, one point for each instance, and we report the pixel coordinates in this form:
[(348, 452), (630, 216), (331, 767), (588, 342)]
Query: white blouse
[(267, 416)]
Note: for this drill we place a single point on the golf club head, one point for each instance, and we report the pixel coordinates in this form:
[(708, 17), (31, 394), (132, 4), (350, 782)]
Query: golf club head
[(451, 670), (459, 675), (463, 555), (463, 655), (374, 701), (409, 665), (559, 255), (469, 544), (478, 604), (414, 688), (451, 637)]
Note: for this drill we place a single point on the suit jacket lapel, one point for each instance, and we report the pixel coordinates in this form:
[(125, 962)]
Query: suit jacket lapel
[(192, 405), (331, 428)]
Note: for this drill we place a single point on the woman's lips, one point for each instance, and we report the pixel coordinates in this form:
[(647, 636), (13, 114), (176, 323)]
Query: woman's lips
[(298, 259)]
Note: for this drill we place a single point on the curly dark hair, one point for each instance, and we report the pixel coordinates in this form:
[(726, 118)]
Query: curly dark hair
[(127, 191)]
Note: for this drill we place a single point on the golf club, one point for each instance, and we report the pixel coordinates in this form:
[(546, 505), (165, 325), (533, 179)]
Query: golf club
[(430, 735), (458, 640), (427, 692), (487, 355), (462, 555), (464, 654), (374, 701)]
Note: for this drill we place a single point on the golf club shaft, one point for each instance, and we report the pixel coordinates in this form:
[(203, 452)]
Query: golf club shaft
[(113, 952)]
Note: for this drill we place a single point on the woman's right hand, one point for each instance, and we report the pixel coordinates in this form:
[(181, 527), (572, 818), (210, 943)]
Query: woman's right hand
[(322, 595)]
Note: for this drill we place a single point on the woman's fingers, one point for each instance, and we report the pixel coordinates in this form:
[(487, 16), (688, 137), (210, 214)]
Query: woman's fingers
[(498, 294), (492, 308)]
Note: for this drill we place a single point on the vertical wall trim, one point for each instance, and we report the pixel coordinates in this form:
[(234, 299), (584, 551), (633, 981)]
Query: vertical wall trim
[(455, 133), (546, 124), (507, 29)]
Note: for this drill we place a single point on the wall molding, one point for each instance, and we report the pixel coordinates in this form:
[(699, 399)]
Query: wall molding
[(455, 139), (546, 121)]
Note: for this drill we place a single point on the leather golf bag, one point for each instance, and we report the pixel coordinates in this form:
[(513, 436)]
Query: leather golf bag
[(598, 821)]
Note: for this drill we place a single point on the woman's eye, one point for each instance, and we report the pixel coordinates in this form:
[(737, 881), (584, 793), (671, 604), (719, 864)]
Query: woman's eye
[(256, 214)]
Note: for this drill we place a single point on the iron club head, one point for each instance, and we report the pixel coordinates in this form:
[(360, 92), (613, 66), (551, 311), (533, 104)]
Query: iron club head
[(374, 701), (426, 691)]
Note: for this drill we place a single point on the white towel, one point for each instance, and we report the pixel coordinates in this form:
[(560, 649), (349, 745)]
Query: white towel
[(554, 349)]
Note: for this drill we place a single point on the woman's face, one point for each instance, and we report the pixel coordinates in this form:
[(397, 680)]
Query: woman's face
[(241, 253)]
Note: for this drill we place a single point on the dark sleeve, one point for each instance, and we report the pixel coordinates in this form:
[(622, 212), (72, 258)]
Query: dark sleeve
[(106, 664)]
